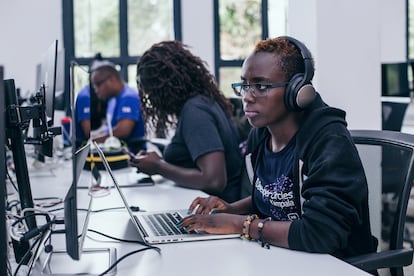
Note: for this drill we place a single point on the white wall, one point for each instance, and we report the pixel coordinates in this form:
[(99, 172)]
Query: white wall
[(348, 38), (28, 29), (198, 29), (393, 21), (344, 37)]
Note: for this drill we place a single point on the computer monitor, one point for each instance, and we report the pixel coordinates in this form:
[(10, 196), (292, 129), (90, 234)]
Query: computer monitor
[(74, 241), (60, 96), (3, 235), (395, 81), (48, 80), (48, 73)]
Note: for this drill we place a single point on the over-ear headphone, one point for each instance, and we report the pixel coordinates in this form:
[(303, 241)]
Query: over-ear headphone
[(299, 92)]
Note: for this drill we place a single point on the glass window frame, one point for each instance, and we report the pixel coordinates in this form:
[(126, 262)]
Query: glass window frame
[(123, 60), (218, 61)]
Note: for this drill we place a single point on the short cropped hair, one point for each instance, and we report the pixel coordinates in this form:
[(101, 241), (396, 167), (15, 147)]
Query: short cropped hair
[(290, 57)]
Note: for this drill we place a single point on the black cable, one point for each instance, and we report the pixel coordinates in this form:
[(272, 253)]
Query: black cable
[(129, 254), (117, 239), (99, 210), (47, 198), (37, 251), (26, 255), (47, 202), (12, 182), (107, 209), (20, 219), (57, 209), (11, 204)]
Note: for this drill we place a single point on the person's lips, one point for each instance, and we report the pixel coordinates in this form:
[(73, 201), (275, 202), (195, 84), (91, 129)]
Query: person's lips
[(249, 113)]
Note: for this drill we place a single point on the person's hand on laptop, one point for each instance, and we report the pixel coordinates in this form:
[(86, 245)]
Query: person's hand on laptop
[(213, 224), (209, 205)]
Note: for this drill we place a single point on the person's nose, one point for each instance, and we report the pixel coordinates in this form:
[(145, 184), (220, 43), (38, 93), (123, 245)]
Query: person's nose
[(248, 97)]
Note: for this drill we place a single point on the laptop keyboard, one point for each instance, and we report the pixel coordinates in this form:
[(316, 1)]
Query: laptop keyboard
[(164, 224)]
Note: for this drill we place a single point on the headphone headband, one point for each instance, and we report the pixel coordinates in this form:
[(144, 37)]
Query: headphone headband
[(299, 92), (306, 56)]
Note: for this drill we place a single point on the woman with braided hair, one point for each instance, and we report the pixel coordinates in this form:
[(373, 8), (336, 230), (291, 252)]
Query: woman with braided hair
[(178, 91)]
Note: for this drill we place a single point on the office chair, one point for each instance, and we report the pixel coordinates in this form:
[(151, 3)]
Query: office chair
[(388, 160)]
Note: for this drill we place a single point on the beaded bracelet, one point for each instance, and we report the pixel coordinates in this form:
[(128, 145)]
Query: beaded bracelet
[(246, 226), (260, 226)]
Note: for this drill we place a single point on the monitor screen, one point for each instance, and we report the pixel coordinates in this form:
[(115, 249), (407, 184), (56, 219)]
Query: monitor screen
[(48, 79), (76, 223), (3, 235), (394, 78)]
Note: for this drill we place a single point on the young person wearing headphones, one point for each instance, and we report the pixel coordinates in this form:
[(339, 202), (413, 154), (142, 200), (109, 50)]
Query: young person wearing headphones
[(309, 190)]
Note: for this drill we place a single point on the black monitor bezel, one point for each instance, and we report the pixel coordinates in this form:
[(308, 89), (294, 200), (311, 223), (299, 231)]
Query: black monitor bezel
[(74, 241), (3, 233), (48, 75), (48, 80), (396, 73)]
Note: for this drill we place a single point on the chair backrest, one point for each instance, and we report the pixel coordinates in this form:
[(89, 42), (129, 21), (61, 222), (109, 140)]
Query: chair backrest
[(388, 160)]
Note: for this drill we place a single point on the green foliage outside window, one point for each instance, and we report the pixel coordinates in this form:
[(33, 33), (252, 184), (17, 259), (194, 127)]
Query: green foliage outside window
[(240, 27), (96, 28), (148, 22)]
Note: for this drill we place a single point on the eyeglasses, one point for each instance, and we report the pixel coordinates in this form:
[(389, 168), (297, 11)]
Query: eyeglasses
[(99, 83), (257, 89)]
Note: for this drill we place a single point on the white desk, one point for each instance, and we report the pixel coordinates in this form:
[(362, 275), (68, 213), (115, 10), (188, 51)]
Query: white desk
[(220, 257)]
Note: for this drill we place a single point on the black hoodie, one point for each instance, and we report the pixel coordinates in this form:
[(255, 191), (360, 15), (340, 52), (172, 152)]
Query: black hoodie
[(329, 185)]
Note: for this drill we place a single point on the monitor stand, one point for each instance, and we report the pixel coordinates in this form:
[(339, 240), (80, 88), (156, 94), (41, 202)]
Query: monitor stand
[(58, 263)]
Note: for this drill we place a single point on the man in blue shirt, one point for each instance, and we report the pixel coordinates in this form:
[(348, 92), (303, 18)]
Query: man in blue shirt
[(123, 112)]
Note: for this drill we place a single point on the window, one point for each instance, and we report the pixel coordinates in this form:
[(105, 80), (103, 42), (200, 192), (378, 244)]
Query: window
[(239, 25), (120, 30)]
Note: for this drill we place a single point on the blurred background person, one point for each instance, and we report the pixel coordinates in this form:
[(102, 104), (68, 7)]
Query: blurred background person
[(123, 109)]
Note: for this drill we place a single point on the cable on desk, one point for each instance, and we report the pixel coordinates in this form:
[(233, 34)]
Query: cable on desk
[(133, 208), (13, 204), (129, 254), (117, 239), (29, 254), (11, 181), (49, 202), (25, 256)]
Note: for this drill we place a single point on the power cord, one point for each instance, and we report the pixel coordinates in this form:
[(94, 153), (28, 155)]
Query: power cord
[(127, 255), (147, 247), (117, 239), (30, 256), (133, 208)]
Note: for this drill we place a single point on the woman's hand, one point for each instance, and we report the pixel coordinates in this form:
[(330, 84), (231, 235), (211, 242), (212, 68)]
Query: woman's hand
[(146, 162), (214, 224), (208, 205)]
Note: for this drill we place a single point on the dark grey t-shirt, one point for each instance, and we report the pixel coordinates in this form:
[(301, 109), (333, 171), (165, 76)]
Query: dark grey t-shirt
[(204, 127)]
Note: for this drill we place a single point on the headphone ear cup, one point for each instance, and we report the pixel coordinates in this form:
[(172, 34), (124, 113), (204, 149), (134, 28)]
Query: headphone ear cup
[(298, 95), (291, 92), (305, 95)]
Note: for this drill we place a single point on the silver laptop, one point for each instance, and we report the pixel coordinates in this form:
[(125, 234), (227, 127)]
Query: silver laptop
[(159, 227)]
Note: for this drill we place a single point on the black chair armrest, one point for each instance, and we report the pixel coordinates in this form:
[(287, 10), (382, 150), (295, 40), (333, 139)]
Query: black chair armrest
[(390, 258)]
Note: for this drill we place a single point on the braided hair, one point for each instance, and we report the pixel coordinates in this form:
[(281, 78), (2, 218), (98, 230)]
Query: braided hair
[(168, 74)]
